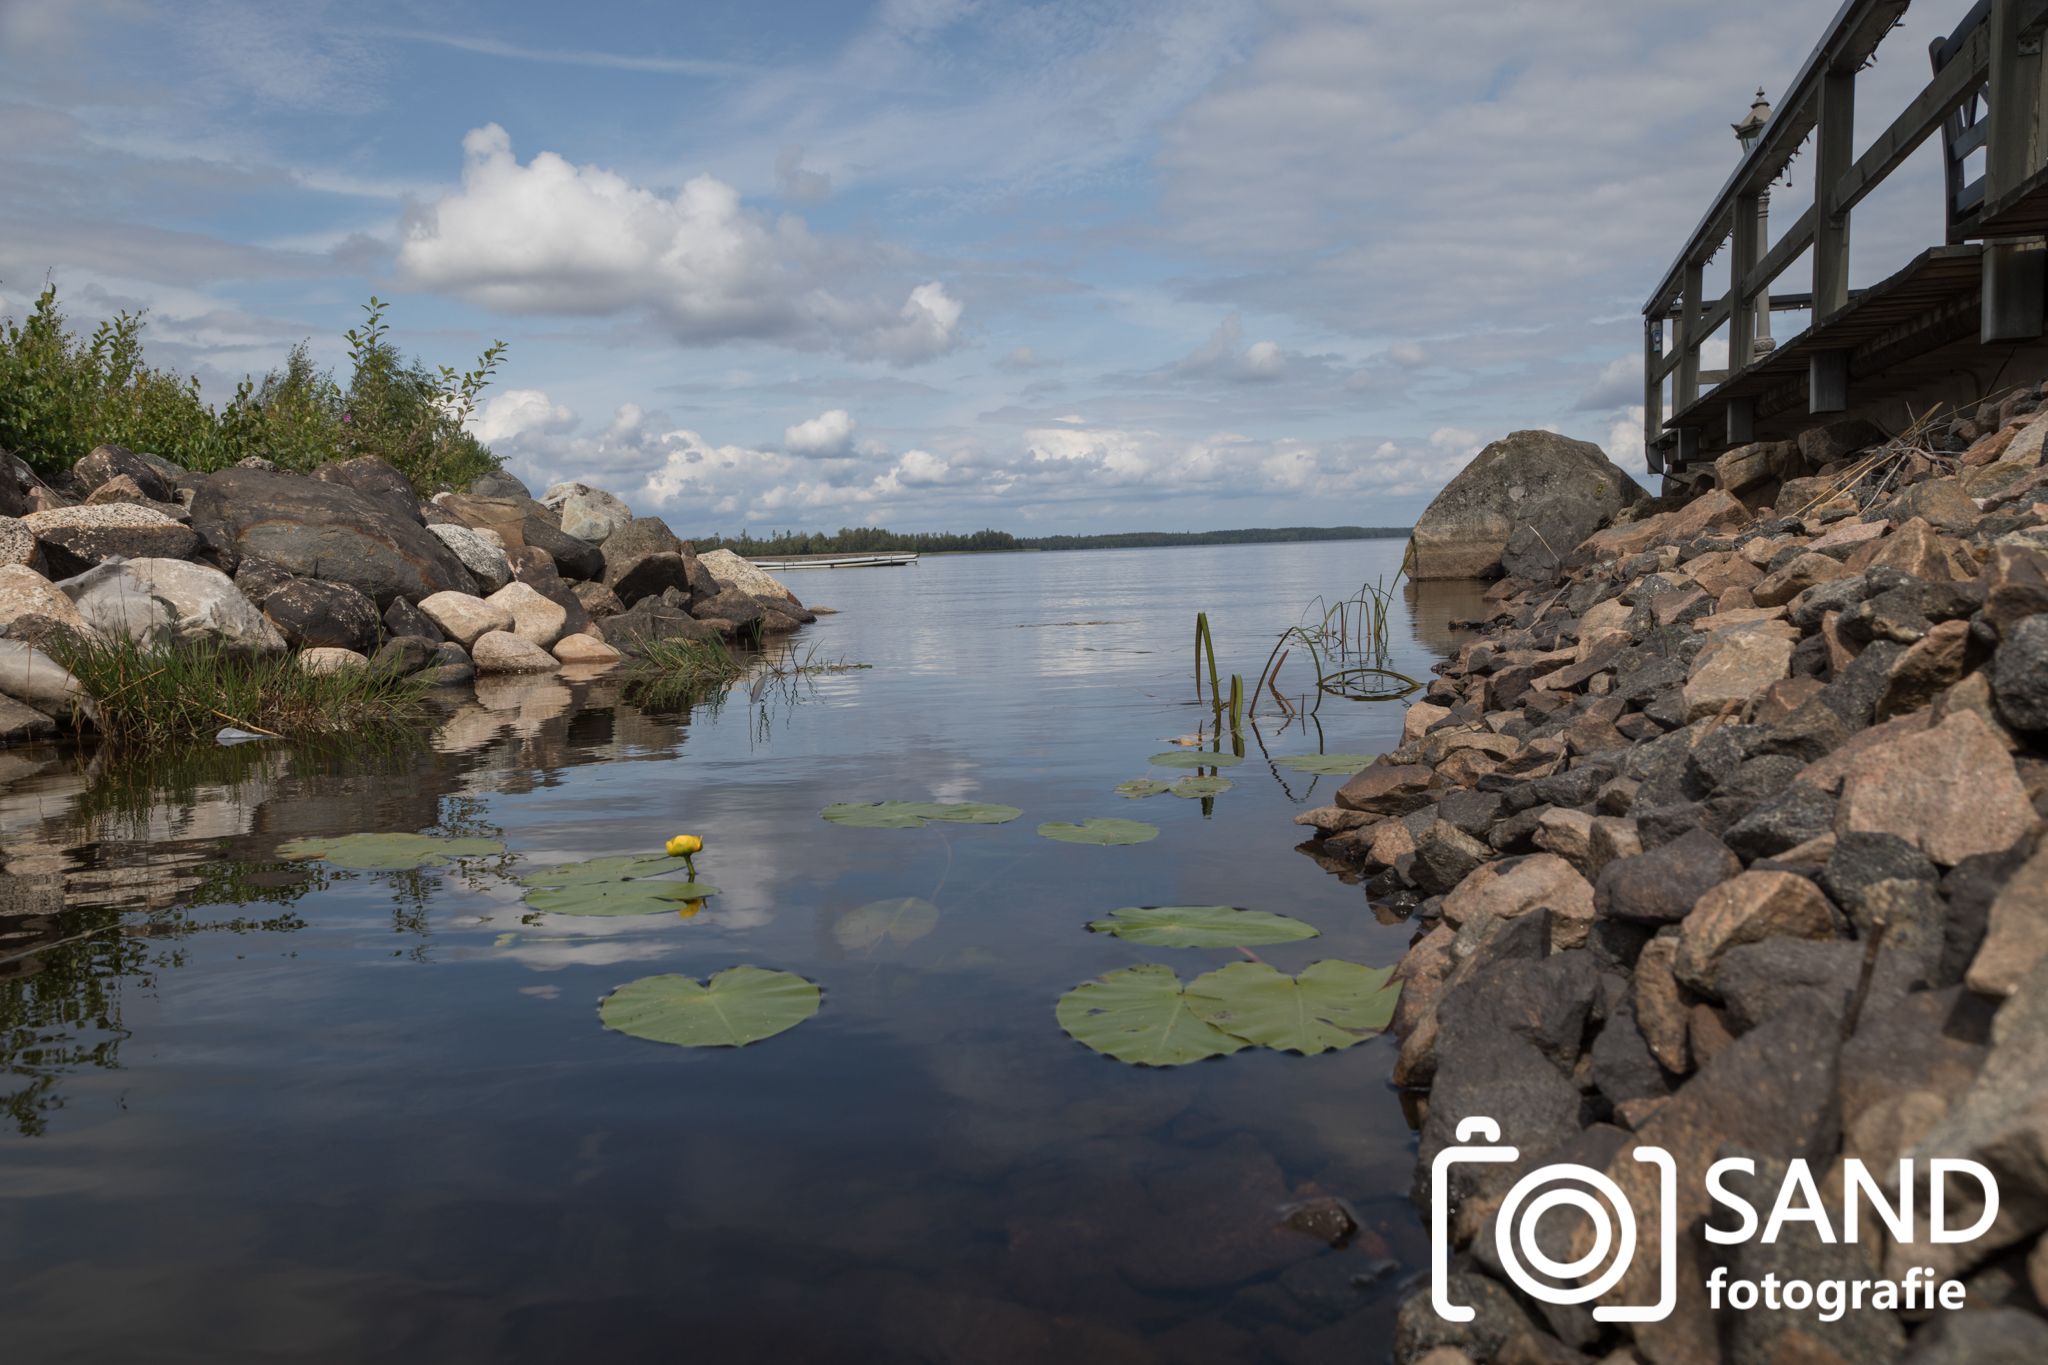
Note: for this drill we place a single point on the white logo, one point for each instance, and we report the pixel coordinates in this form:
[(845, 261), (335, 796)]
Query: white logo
[(1593, 1194)]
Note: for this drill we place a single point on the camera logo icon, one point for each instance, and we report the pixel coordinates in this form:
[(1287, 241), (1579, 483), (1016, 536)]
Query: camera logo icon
[(1517, 1228)]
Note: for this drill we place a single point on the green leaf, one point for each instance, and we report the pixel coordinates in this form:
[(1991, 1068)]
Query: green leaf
[(739, 1005), (389, 852), (618, 898), (1194, 758), (1327, 765), (1139, 1015), (1100, 832), (626, 868), (898, 922), (1330, 1005), (1141, 788), (915, 814), (1192, 787), (1200, 926)]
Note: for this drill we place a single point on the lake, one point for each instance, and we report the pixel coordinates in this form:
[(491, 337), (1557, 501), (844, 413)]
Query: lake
[(254, 1108)]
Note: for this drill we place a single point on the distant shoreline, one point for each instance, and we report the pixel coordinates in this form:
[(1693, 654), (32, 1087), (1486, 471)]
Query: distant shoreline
[(877, 541)]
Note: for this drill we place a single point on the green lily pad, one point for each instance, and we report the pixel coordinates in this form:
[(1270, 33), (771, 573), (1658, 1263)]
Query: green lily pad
[(916, 814), (1327, 765), (1200, 926), (1141, 788), (1194, 758), (617, 898), (1192, 787), (629, 867), (1100, 832), (389, 852), (898, 921), (739, 1005), (1139, 1015), (1330, 1005)]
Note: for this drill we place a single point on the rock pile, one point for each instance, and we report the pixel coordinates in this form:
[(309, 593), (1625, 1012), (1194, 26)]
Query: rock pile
[(1725, 837), (349, 569)]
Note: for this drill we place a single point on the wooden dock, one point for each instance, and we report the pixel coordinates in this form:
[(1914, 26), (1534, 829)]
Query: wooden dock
[(1963, 316), (882, 560)]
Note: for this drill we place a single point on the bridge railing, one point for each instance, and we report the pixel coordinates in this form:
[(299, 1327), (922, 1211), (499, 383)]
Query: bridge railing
[(1986, 92)]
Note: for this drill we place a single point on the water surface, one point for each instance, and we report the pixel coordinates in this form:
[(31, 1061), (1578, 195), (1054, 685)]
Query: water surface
[(264, 1110)]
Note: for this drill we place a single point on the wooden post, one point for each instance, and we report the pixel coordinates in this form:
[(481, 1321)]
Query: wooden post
[(1834, 151), (1827, 382), (1741, 420), (1653, 392), (2015, 273), (1742, 259), (1688, 340)]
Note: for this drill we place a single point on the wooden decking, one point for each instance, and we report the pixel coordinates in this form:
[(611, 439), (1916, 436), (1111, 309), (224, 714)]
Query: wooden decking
[(882, 560)]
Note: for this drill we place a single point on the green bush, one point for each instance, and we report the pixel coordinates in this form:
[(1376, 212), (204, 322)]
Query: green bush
[(61, 395)]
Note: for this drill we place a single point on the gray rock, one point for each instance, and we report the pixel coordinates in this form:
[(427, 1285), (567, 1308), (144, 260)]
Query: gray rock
[(1623, 1066), (2019, 675), (73, 539), (162, 601), (329, 531), (648, 575), (1799, 812), (1980, 1336), (1660, 886), (403, 618), (39, 682), (405, 655), (315, 615), (450, 667), (1567, 488), (587, 513), (651, 619), (498, 484), (376, 480), (110, 462), (1497, 1318)]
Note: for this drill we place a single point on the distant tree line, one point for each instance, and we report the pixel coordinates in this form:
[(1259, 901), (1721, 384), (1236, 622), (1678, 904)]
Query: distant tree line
[(874, 539)]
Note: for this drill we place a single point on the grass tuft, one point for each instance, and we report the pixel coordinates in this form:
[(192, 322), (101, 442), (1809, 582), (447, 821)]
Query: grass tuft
[(152, 697)]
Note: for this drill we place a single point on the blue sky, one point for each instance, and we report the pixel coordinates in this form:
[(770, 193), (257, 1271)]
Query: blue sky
[(931, 264)]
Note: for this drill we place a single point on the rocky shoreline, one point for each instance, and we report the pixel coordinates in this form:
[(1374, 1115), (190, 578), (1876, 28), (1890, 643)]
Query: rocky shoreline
[(346, 568), (1724, 835)]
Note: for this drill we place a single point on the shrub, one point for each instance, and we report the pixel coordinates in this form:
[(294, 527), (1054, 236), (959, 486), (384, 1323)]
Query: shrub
[(60, 396)]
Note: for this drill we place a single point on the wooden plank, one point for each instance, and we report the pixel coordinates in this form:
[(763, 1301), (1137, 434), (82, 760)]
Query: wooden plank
[(1796, 239), (1687, 387), (1741, 261), (1833, 147), (1956, 83), (1653, 393), (1827, 381)]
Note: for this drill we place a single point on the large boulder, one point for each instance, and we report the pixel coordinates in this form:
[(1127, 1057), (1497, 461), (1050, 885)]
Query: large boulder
[(375, 479), (73, 539), (17, 542), (1550, 489), (587, 513), (481, 553), (521, 521), (26, 593), (164, 601), (328, 531), (731, 571), (40, 683)]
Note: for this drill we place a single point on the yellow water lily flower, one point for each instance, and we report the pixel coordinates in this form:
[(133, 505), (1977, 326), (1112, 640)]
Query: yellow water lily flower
[(690, 909), (683, 845)]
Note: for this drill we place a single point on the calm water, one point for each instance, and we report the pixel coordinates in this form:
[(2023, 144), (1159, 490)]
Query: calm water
[(260, 1110)]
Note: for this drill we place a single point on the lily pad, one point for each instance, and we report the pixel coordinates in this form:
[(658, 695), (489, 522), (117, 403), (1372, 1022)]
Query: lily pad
[(1192, 787), (1100, 832), (1200, 926), (916, 814), (616, 869), (739, 1005), (897, 921), (1141, 788), (1139, 1015), (389, 852), (641, 897), (1194, 758), (1330, 1005), (1327, 765)]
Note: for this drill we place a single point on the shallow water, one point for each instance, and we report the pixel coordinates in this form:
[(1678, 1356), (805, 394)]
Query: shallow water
[(264, 1110)]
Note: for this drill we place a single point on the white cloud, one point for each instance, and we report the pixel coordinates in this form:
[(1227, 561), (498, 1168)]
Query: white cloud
[(829, 433), (512, 413), (551, 236), (1220, 357), (1620, 380)]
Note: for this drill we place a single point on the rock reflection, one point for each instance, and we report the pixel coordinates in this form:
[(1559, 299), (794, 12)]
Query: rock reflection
[(105, 859), (1434, 607)]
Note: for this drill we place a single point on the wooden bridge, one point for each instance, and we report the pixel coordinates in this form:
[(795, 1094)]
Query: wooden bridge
[(1963, 316)]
